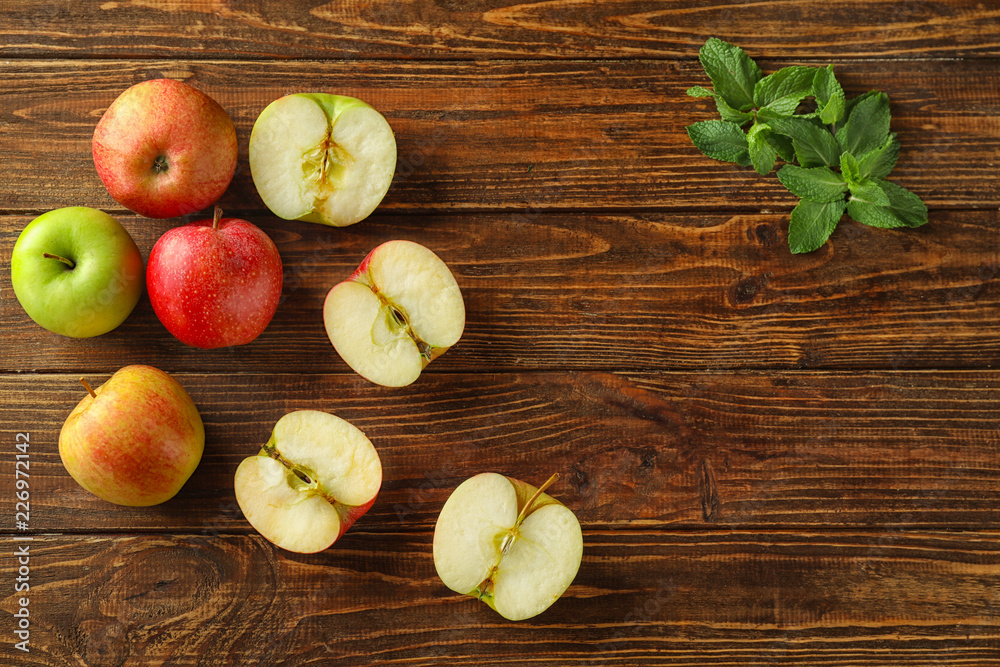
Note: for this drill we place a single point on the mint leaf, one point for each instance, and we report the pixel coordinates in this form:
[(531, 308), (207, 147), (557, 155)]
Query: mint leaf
[(812, 223), (721, 140), (844, 147), (869, 192), (878, 163), (814, 145), (854, 101), (762, 154), (783, 91), (830, 100), (733, 73), (700, 91), (849, 168), (874, 215), (818, 184), (867, 126), (782, 145), (726, 112), (904, 204)]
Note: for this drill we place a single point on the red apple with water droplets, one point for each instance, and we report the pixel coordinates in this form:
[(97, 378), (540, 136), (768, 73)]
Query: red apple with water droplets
[(215, 282)]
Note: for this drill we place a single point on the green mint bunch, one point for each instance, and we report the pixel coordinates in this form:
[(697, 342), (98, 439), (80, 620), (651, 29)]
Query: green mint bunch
[(837, 152)]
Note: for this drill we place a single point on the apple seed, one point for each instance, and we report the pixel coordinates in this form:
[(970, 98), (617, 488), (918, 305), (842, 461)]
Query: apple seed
[(302, 474), (397, 322)]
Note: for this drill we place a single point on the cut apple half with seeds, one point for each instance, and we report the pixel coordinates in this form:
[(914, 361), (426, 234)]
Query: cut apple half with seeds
[(322, 158), (312, 480), (400, 309), (508, 544)]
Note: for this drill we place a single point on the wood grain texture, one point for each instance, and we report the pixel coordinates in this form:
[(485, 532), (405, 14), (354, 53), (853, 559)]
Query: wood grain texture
[(640, 599), (773, 450), (604, 292), (776, 459), (435, 29), (525, 137)]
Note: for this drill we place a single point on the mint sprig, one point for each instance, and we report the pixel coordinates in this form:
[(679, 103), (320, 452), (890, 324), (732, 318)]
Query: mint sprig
[(837, 152)]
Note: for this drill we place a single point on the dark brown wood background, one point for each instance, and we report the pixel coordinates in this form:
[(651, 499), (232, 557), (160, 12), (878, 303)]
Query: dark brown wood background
[(776, 459)]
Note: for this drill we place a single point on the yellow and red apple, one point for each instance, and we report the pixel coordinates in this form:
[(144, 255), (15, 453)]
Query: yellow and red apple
[(165, 149), (135, 440)]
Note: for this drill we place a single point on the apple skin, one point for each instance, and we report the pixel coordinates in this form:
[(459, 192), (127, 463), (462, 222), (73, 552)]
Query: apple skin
[(165, 149), (348, 515), (100, 290), (136, 441), (215, 282)]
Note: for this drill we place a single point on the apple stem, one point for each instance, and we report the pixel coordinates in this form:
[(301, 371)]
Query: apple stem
[(216, 216), (65, 261), (86, 385), (531, 501)]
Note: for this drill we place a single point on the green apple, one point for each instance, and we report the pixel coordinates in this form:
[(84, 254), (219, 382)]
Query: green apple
[(310, 482), (76, 271), (507, 543), (322, 158), (135, 440)]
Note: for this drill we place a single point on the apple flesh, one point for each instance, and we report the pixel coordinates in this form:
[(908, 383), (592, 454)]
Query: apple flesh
[(215, 282), (508, 544), (76, 271), (314, 478), (397, 312), (165, 149), (135, 440), (322, 158)]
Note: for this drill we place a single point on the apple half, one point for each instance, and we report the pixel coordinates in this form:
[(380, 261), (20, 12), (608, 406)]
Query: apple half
[(508, 544), (314, 478), (401, 309), (322, 158)]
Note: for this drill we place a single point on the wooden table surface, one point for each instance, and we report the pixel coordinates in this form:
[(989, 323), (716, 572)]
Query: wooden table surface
[(777, 459)]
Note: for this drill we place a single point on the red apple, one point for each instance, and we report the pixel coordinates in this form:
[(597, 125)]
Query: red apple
[(135, 440), (214, 283), (165, 149)]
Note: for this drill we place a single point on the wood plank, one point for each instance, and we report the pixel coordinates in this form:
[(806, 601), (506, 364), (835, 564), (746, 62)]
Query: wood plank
[(497, 29), (639, 599), (608, 292), (734, 450), (517, 136)]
